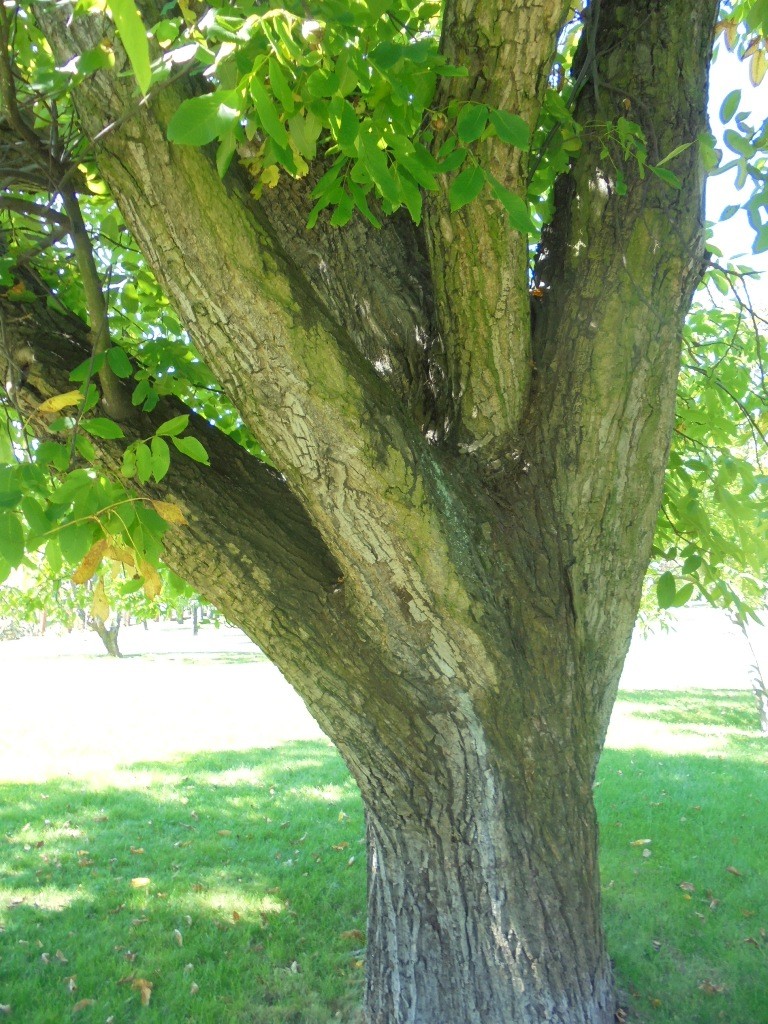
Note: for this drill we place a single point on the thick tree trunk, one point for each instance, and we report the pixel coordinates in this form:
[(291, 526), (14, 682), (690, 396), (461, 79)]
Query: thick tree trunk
[(453, 933)]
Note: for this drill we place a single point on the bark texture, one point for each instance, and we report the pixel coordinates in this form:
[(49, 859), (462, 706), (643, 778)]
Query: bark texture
[(448, 565)]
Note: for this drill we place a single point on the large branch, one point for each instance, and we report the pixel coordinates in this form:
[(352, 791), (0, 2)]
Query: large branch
[(618, 273), (479, 263), (249, 547)]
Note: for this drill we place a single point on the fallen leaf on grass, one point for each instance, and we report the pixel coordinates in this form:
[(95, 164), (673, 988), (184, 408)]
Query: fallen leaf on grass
[(752, 942), (144, 987), (60, 957), (5, 1007), (235, 916), (140, 883), (640, 842), (734, 871), (71, 983), (81, 1004), (178, 938), (710, 988), (688, 887), (137, 849), (355, 934), (224, 832), (197, 887), (194, 988), (340, 846)]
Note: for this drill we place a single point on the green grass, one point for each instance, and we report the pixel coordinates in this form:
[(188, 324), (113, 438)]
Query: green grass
[(250, 892), (686, 914), (256, 868)]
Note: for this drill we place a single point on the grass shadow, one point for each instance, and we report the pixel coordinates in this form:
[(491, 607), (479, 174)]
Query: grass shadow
[(241, 873)]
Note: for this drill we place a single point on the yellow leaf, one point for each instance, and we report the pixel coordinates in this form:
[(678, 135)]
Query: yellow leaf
[(145, 988), (120, 553), (178, 938), (640, 842), (758, 67), (59, 402), (170, 513), (100, 605), (140, 883), (90, 562), (82, 1003), (270, 176), (152, 582)]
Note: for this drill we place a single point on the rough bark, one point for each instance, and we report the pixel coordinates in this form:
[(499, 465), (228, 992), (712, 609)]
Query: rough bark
[(455, 614)]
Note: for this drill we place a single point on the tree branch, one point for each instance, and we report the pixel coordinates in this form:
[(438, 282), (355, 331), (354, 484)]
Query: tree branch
[(480, 264), (620, 271)]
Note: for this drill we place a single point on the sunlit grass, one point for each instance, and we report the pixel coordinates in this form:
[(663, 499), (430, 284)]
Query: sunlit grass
[(686, 913), (229, 886)]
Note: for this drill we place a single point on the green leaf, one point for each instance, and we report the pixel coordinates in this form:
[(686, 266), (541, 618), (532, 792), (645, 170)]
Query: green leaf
[(11, 539), (471, 122), (173, 427), (511, 128), (72, 485), (344, 122), (100, 426), (280, 87), (517, 208), (192, 448), (226, 150), (133, 36), (143, 462), (377, 165), (38, 522), (412, 196), (128, 468), (675, 152), (74, 540), (683, 595), (161, 458), (665, 590), (667, 176), (88, 368), (202, 119), (738, 144), (119, 362), (267, 113), (465, 187), (305, 130), (730, 105)]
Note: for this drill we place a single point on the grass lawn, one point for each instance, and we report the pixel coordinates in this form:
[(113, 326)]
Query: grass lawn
[(158, 868)]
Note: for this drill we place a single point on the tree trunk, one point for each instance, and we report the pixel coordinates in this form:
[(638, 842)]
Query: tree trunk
[(108, 635), (452, 932)]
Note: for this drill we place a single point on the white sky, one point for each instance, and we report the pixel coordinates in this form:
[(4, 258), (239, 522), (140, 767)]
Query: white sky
[(734, 237)]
